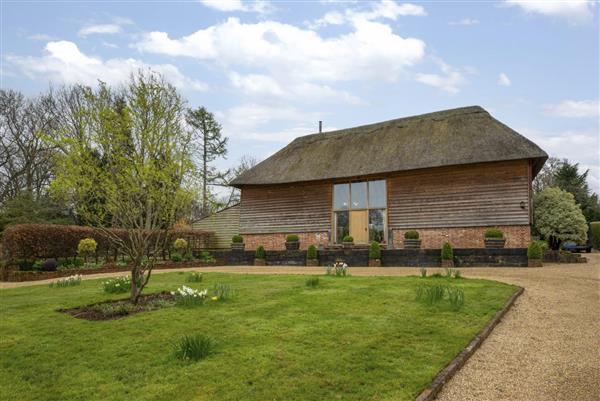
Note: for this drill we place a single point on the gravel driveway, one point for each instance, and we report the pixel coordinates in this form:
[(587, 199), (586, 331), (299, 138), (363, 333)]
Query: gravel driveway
[(546, 348)]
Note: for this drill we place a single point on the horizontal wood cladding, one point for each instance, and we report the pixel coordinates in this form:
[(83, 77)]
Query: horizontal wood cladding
[(286, 208), (487, 194), (225, 224)]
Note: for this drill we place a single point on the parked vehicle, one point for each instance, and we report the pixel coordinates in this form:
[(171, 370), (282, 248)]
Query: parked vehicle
[(572, 246)]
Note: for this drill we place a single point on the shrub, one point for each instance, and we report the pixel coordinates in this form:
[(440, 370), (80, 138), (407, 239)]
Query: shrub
[(50, 265), (186, 296), (493, 233), (534, 251), (595, 228), (312, 282), (311, 253), (558, 218), (412, 234), (292, 238), (87, 247), (67, 281), (222, 292), (237, 239), (375, 250), (260, 252), (423, 272), (194, 277), (194, 347), (348, 238), (447, 253), (117, 285), (176, 257), (206, 257), (180, 244)]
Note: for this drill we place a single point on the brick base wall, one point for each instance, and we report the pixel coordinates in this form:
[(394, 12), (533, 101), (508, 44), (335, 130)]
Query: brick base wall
[(465, 237), (276, 242)]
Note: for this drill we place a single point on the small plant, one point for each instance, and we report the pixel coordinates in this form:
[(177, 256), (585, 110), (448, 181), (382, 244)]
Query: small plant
[(338, 269), (50, 265), (430, 294), (312, 282), (493, 233), (447, 253), (87, 247), (260, 252), (117, 285), (311, 252), (194, 347), (186, 296), (412, 234), (534, 251), (206, 257), (180, 245), (423, 272), (375, 250), (67, 281), (176, 257), (292, 238), (194, 277), (222, 292), (456, 297), (348, 238), (237, 239)]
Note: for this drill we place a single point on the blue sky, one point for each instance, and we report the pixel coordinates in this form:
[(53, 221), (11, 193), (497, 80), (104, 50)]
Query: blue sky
[(270, 70)]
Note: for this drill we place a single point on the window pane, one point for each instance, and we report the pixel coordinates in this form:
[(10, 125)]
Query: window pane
[(376, 225), (342, 228), (359, 195), (377, 194), (341, 193)]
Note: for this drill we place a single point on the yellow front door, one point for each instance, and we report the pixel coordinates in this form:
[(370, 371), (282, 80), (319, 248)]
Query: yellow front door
[(359, 226)]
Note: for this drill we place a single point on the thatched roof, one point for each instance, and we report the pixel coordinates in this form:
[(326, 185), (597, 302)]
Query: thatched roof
[(444, 138)]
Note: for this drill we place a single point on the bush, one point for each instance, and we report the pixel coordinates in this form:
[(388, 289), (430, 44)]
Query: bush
[(375, 250), (50, 265), (180, 244), (493, 233), (176, 257), (312, 282), (292, 238), (412, 234), (87, 247), (237, 239), (117, 285), (260, 252), (194, 347), (534, 251), (311, 253), (348, 238), (206, 257), (447, 253), (595, 228), (194, 277)]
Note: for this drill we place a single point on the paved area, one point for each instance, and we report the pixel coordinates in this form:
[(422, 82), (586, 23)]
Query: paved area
[(546, 348)]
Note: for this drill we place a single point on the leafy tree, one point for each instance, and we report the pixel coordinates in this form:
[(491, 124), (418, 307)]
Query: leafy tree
[(25, 208), (558, 218), (132, 152), (546, 177), (567, 177), (212, 145)]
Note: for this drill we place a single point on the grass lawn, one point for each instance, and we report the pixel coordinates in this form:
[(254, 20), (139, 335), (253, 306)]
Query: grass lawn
[(353, 338)]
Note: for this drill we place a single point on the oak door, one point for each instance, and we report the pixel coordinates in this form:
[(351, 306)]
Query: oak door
[(359, 226)]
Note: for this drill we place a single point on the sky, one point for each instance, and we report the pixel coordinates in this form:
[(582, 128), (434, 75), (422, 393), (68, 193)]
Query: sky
[(270, 70)]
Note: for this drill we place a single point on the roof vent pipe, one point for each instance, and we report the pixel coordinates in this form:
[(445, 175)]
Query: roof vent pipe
[(320, 126)]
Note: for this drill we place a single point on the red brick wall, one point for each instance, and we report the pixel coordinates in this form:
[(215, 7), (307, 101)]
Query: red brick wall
[(465, 237), (274, 242)]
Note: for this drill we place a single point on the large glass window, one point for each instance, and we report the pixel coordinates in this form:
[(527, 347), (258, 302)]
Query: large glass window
[(358, 194), (377, 196), (342, 225), (341, 196), (377, 225)]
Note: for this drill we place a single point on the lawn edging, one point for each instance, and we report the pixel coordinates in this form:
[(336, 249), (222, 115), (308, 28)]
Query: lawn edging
[(431, 392)]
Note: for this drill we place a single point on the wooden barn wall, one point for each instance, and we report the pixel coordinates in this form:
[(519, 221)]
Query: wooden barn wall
[(286, 208), (487, 194), (225, 224)]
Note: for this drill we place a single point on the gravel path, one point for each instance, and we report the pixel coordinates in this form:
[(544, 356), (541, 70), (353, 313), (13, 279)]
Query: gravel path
[(546, 348)]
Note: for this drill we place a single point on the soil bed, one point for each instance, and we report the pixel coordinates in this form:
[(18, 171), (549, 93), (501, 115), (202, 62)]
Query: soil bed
[(116, 309)]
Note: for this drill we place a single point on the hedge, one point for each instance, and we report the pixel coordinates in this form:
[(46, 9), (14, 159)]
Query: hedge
[(39, 241), (595, 226)]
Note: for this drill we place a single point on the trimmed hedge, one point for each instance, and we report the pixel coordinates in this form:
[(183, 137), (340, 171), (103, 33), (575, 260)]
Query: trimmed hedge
[(41, 241), (412, 234), (348, 238), (493, 233), (237, 239), (292, 238), (595, 227)]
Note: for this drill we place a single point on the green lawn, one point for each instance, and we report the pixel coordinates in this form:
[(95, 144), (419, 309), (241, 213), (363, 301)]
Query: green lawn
[(354, 338)]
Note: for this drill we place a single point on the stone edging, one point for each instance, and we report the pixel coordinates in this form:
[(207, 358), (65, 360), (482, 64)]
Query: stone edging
[(450, 370)]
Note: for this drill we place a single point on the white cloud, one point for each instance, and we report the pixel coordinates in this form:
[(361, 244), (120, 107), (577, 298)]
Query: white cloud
[(101, 29), (388, 9), (257, 6), (465, 21), (42, 37), (574, 109), (449, 80), (64, 62), (575, 11), (503, 80)]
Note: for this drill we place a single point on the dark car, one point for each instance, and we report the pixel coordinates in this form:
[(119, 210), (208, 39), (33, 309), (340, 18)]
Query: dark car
[(572, 246)]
